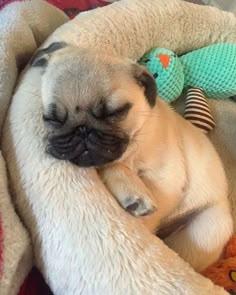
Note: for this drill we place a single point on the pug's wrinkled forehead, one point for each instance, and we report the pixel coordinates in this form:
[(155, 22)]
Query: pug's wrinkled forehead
[(72, 75)]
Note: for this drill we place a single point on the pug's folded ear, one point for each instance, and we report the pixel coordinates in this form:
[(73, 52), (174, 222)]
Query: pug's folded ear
[(146, 80), (40, 59)]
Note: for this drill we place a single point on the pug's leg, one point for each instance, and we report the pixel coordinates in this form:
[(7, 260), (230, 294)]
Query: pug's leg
[(128, 189), (203, 239)]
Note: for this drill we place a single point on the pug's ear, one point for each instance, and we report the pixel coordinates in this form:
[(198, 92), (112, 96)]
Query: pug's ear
[(145, 79), (40, 59)]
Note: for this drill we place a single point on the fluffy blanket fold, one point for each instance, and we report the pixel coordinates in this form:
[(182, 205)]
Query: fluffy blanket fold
[(24, 26)]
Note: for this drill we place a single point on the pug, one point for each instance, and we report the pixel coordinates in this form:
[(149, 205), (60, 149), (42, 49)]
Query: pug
[(103, 111)]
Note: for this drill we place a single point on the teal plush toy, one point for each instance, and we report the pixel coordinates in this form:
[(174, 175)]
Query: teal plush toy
[(212, 69)]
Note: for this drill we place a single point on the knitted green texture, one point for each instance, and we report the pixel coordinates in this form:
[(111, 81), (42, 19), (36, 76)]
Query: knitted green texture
[(213, 69), (167, 71)]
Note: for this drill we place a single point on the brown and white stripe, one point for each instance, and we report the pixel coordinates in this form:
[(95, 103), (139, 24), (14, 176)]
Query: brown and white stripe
[(197, 110)]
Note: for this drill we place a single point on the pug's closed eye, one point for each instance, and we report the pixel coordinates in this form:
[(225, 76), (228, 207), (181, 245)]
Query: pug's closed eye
[(56, 115), (103, 112)]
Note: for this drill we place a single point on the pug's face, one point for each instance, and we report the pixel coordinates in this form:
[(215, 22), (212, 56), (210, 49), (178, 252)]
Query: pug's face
[(91, 103)]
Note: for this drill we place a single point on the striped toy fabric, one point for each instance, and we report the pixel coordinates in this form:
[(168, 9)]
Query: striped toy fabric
[(197, 110)]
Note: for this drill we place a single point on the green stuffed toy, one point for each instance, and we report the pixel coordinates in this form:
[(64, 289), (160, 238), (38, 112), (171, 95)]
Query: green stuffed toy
[(212, 69)]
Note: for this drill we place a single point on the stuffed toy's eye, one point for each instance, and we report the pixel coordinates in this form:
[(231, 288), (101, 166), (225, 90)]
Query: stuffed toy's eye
[(155, 75), (146, 60)]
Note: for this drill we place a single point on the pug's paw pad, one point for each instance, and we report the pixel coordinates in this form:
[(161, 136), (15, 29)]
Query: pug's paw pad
[(139, 206)]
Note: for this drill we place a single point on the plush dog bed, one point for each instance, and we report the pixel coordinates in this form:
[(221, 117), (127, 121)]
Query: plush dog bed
[(16, 259)]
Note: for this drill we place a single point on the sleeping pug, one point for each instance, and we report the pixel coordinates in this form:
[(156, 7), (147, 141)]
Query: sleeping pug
[(102, 111)]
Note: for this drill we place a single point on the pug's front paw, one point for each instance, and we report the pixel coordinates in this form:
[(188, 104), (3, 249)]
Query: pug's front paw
[(128, 189), (138, 206)]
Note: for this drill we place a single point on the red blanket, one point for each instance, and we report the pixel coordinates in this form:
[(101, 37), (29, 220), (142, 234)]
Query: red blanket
[(70, 7)]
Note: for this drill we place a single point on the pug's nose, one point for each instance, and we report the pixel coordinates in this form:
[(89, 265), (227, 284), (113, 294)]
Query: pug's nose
[(83, 131)]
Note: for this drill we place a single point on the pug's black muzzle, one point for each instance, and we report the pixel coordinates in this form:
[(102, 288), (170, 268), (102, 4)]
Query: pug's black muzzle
[(87, 147)]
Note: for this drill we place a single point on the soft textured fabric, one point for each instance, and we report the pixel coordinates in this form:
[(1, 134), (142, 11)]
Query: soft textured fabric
[(24, 25), (228, 5), (197, 110), (212, 69), (15, 248), (224, 136), (168, 72), (138, 27)]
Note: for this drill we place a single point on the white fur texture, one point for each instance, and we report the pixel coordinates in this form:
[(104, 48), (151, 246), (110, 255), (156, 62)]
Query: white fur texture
[(84, 243), (24, 25), (17, 251), (131, 27)]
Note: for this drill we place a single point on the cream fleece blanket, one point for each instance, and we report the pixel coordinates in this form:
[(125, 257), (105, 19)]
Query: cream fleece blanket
[(139, 26), (24, 26)]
